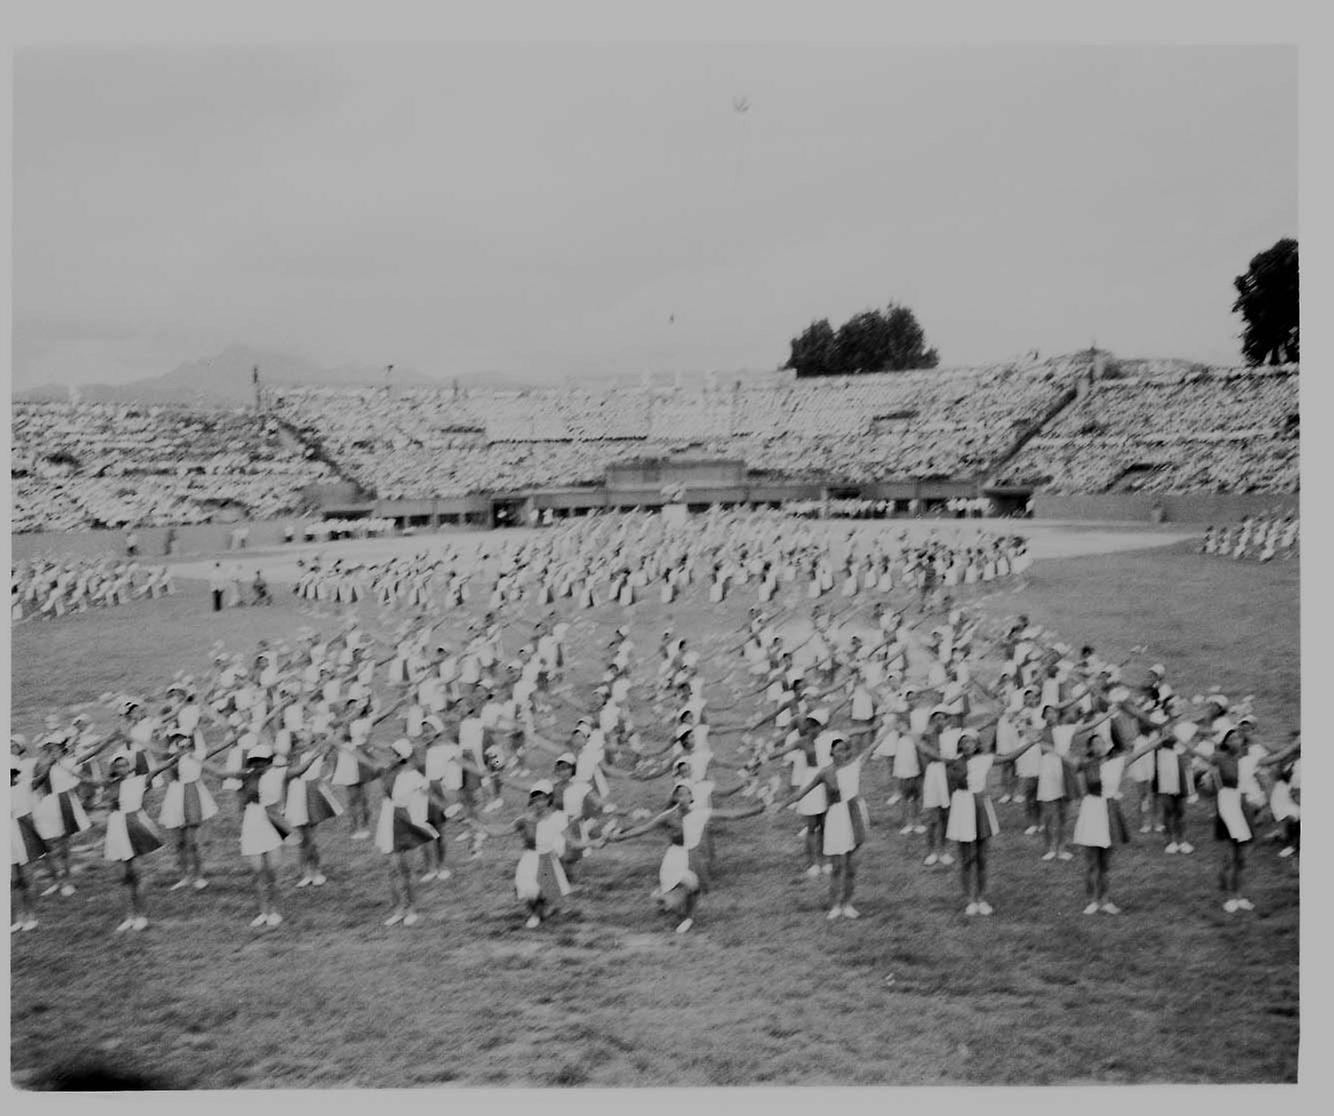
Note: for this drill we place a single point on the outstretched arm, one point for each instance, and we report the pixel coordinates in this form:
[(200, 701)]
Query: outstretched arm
[(639, 830), (751, 811)]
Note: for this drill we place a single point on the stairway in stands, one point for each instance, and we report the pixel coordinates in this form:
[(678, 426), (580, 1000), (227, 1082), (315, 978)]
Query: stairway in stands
[(997, 467)]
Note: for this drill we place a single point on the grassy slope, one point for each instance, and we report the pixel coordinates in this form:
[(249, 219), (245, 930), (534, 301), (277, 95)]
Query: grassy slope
[(766, 991)]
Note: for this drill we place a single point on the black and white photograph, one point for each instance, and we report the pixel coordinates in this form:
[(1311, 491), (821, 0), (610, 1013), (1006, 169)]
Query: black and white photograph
[(654, 564)]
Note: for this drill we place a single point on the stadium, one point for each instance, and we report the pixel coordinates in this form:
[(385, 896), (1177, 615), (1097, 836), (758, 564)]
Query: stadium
[(866, 721), (1075, 438)]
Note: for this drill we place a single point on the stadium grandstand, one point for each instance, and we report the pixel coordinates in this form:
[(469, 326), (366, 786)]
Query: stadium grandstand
[(1077, 424)]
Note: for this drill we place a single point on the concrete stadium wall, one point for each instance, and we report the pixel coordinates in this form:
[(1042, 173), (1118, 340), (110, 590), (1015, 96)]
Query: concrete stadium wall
[(1138, 508), (656, 473)]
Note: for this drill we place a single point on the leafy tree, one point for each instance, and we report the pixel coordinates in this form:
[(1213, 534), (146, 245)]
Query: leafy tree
[(888, 340), (1267, 300), (813, 350)]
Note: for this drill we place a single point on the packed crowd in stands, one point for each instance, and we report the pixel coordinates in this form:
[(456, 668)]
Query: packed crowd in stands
[(1229, 430), (51, 586), (1152, 427), (116, 464), (1262, 539), (421, 443)]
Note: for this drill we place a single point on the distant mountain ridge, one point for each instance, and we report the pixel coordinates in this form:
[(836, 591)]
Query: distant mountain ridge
[(225, 380)]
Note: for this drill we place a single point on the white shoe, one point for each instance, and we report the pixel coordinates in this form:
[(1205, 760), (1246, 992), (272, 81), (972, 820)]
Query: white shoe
[(971, 909), (66, 890), (141, 923), (427, 877), (1192, 799), (1110, 908), (893, 800), (930, 860), (394, 919), (304, 881), (1231, 906), (260, 919), (849, 911), (1146, 828), (361, 834), (128, 924), (411, 918), (827, 869), (274, 919), (1245, 905), (1003, 798), (1049, 855), (200, 884), (685, 925), (1030, 831), (1065, 854), (984, 908), (919, 829), (443, 873), (15, 927), (1171, 848), (945, 858), (31, 924), (813, 870), (179, 884), (1186, 847), (1092, 908), (1284, 853), (533, 922), (319, 879), (1160, 829), (834, 912), (905, 830)]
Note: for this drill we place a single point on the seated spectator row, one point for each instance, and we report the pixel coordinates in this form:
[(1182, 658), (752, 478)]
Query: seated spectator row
[(1152, 427), (1215, 430), (106, 464), (422, 443)]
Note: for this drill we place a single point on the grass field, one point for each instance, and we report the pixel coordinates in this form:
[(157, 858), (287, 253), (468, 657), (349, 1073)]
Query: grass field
[(765, 991)]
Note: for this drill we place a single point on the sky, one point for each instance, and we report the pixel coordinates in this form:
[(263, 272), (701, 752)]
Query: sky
[(557, 210)]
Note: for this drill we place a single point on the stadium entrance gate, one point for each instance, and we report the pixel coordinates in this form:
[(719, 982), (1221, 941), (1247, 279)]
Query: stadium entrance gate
[(509, 512)]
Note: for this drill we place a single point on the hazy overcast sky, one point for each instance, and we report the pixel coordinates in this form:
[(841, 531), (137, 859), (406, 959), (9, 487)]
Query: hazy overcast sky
[(527, 209)]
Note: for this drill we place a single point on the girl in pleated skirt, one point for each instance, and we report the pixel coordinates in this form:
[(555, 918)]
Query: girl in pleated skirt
[(130, 833), (307, 802), (57, 813), (263, 832), (404, 825), (186, 806), (679, 877), (972, 818), (25, 847), (846, 818), (1100, 825), (1233, 822)]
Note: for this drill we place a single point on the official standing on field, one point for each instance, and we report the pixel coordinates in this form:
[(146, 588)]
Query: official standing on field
[(218, 584)]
